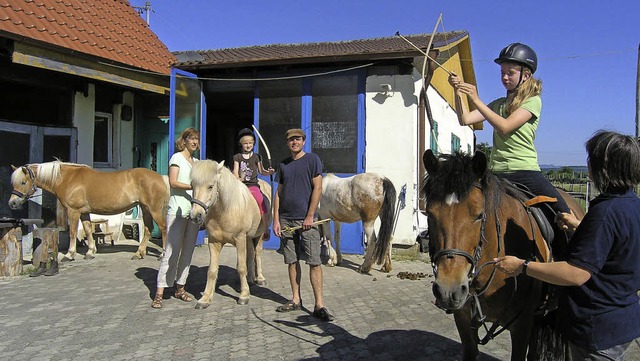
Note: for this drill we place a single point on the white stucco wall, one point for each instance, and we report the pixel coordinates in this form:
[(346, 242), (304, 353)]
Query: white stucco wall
[(83, 118), (392, 140), (123, 131)]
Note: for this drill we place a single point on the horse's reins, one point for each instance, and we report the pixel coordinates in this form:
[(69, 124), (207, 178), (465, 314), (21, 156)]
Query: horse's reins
[(31, 191)]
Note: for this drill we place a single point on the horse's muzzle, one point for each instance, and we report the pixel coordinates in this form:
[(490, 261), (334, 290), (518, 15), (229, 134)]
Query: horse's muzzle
[(15, 202), (450, 298)]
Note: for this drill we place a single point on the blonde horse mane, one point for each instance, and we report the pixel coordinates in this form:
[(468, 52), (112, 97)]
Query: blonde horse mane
[(233, 187), (49, 173), (46, 173)]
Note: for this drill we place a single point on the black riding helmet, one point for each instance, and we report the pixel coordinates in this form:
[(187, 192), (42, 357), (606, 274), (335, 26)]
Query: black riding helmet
[(246, 131), (519, 53)]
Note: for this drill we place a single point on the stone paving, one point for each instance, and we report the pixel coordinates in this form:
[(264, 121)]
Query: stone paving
[(100, 310)]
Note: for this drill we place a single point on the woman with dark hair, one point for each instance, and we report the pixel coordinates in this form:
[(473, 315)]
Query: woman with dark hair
[(599, 309)]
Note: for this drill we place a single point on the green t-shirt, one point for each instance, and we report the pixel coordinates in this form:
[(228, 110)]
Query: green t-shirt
[(516, 150)]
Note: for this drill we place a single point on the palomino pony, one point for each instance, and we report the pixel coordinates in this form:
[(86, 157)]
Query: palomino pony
[(83, 190), (474, 216), (225, 206), (364, 197)]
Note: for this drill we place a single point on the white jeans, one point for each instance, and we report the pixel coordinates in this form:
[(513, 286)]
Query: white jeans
[(181, 241)]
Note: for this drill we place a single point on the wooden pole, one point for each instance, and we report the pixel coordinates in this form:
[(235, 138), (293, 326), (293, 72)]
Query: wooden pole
[(10, 251)]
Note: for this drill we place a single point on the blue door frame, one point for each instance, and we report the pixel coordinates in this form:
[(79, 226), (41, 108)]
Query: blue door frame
[(200, 111)]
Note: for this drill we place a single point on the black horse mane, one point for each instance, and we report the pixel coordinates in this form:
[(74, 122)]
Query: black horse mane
[(456, 175)]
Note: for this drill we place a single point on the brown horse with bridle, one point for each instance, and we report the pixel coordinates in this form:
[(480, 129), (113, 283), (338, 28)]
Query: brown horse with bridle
[(83, 190), (474, 216)]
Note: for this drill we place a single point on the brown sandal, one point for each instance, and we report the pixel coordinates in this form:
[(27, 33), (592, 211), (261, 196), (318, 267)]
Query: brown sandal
[(157, 301), (181, 294)]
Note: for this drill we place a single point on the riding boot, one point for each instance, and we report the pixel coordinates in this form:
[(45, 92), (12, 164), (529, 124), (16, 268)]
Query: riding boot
[(40, 271), (53, 270)]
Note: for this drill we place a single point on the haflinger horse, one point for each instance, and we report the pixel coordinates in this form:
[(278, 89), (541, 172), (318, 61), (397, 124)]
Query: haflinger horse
[(365, 197), (473, 217), (225, 206), (83, 190)]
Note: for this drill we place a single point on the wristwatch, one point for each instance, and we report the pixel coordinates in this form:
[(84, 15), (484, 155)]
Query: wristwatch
[(525, 265)]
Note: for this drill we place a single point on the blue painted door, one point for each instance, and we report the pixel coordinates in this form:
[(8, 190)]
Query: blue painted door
[(330, 109)]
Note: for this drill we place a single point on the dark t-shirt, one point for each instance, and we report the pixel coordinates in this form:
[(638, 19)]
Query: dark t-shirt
[(249, 167), (295, 179), (604, 311)]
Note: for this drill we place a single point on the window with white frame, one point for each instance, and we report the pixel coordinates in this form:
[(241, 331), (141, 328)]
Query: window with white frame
[(103, 140)]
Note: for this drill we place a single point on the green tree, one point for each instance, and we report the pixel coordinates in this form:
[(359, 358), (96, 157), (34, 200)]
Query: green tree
[(485, 148)]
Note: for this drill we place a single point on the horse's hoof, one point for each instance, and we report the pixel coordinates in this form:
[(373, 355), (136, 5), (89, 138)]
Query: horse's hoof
[(261, 282), (364, 270), (136, 257), (89, 257), (67, 259), (201, 306), (243, 301), (385, 269)]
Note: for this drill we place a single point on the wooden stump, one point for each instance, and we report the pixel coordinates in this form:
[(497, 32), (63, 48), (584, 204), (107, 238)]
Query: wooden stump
[(48, 248), (10, 251)]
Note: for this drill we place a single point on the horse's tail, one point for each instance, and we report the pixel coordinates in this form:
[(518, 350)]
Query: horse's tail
[(546, 342), (386, 221)]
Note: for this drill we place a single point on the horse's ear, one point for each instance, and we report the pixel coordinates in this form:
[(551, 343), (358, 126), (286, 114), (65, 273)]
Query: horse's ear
[(479, 164), (220, 166), (13, 167), (430, 161), (24, 170)]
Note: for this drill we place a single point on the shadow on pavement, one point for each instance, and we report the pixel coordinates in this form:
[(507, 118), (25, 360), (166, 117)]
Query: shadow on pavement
[(381, 345)]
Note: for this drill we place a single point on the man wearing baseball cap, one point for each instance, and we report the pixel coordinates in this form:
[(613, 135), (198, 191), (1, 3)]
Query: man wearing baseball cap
[(295, 204)]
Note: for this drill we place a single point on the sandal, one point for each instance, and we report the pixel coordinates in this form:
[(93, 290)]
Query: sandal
[(323, 314), (289, 306), (157, 301), (181, 294)]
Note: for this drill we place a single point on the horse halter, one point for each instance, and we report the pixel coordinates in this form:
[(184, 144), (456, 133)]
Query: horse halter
[(451, 252), (201, 204), (31, 191)]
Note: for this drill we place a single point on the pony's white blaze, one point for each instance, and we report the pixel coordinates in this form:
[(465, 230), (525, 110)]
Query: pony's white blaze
[(452, 199)]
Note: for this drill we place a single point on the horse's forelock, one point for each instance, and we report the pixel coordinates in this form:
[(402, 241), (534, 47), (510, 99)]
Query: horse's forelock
[(454, 176), (203, 170), (17, 175)]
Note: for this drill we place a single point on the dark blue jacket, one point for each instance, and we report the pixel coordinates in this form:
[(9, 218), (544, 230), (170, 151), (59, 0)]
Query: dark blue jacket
[(604, 311)]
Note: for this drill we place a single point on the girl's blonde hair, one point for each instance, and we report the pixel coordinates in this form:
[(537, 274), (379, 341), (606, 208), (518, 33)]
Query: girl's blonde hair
[(527, 89), (181, 143)]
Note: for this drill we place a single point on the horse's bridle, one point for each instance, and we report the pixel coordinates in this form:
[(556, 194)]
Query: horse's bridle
[(477, 253), (201, 204), (31, 191)]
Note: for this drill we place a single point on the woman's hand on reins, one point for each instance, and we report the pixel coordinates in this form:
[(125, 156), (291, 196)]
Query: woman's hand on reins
[(510, 265)]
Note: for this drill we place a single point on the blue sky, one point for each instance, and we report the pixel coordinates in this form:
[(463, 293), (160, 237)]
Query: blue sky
[(587, 50)]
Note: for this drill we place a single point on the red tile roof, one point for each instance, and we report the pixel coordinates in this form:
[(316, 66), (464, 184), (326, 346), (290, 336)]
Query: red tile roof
[(108, 29), (365, 49)]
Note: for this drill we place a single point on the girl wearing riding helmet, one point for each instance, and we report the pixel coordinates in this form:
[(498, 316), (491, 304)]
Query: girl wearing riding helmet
[(514, 118), (246, 166)]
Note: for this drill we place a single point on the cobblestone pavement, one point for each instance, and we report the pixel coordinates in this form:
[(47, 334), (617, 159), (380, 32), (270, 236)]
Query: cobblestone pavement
[(100, 310)]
